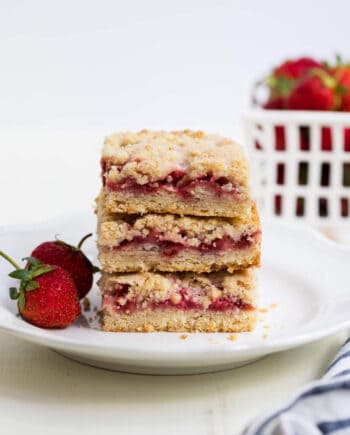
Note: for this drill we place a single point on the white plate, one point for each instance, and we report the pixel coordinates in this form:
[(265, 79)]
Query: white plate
[(305, 296)]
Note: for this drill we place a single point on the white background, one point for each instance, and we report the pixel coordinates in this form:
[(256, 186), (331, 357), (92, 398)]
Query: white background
[(105, 65), (73, 71)]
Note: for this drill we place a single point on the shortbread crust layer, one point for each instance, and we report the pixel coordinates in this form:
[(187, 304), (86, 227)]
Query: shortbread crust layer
[(179, 321)]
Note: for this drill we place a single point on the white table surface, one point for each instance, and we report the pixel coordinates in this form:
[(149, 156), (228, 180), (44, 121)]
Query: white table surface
[(41, 392)]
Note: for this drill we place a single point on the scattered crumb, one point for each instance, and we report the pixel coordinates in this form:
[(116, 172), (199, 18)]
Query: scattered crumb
[(86, 304), (329, 233), (265, 336), (266, 326), (273, 305), (212, 341), (263, 310), (183, 336), (90, 319), (95, 308), (232, 337)]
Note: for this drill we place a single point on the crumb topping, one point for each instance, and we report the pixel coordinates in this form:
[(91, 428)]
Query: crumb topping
[(148, 156), (185, 230), (204, 288), (189, 230)]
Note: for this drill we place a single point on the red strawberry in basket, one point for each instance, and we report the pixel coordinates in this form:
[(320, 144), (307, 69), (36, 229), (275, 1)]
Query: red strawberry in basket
[(295, 69), (276, 104), (326, 139), (347, 139), (47, 296), (72, 259), (280, 138), (317, 91), (342, 75), (285, 77)]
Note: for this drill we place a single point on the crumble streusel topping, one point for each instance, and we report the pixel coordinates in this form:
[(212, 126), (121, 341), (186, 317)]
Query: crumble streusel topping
[(148, 156), (189, 230), (205, 288), (114, 227)]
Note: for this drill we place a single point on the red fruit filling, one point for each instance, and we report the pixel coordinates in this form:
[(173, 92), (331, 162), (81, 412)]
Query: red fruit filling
[(185, 303), (177, 182), (169, 248)]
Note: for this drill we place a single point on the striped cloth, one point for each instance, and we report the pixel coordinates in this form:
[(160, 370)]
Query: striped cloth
[(323, 407)]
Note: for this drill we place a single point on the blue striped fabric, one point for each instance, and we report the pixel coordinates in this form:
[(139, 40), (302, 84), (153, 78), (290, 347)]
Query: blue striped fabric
[(323, 407)]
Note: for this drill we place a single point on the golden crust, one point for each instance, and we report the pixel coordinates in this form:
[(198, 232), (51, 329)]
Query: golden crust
[(138, 260), (202, 203), (179, 321), (148, 156)]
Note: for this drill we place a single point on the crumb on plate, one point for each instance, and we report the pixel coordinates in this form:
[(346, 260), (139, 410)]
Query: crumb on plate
[(86, 304), (263, 310)]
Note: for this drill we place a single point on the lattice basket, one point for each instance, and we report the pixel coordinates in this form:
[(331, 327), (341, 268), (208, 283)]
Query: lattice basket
[(300, 165)]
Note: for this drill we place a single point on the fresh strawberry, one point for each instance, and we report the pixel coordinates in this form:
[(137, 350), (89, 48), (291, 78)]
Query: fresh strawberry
[(280, 138), (285, 77), (71, 258), (275, 104), (342, 75), (278, 205), (347, 139), (47, 296), (315, 92), (326, 139), (296, 68)]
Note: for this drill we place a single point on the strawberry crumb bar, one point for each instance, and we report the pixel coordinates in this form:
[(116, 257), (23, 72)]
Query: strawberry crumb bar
[(171, 243), (179, 302), (181, 172)]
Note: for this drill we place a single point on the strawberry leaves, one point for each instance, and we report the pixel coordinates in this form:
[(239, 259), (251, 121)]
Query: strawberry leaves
[(34, 268), (21, 274), (13, 293)]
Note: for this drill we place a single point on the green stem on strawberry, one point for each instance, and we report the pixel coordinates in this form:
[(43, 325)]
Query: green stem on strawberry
[(80, 244), (9, 259), (95, 269), (34, 269)]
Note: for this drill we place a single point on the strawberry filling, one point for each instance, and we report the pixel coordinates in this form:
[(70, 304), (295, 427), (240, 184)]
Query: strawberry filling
[(156, 241), (183, 300), (176, 182)]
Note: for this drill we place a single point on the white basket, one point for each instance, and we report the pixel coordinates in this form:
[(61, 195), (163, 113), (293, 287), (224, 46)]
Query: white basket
[(300, 165)]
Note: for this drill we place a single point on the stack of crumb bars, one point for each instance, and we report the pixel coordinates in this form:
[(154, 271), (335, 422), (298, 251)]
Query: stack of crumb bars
[(178, 234)]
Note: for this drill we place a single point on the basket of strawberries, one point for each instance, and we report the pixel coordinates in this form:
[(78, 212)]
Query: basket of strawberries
[(298, 139)]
